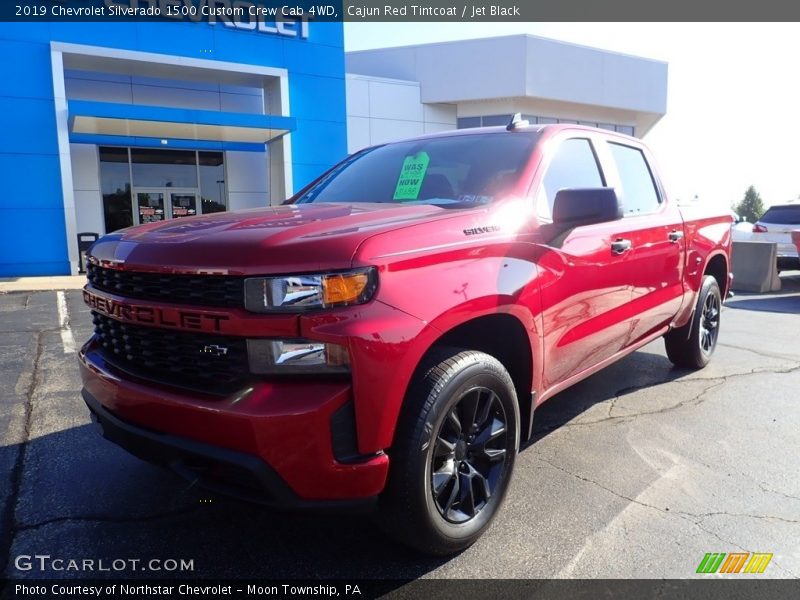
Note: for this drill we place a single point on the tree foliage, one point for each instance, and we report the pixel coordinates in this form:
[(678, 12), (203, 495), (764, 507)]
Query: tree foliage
[(751, 207)]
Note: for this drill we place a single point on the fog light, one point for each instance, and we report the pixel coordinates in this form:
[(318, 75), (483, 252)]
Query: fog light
[(270, 357)]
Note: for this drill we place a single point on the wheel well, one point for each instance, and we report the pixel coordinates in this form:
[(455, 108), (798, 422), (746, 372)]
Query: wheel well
[(505, 338), (717, 267)]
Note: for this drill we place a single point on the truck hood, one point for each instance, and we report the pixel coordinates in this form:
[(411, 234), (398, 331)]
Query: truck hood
[(302, 238)]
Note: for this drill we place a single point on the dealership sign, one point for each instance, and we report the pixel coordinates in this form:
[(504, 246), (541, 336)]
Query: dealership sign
[(249, 16)]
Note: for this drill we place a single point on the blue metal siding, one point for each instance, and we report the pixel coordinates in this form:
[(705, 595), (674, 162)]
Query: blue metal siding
[(32, 231)]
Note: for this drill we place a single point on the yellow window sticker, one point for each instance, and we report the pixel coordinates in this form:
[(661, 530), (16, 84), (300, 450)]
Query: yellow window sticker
[(412, 174)]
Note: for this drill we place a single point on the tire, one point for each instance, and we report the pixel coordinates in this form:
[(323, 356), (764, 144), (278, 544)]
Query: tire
[(447, 479), (692, 345)]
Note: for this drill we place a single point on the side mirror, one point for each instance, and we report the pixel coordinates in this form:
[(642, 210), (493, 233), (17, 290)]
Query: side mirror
[(585, 206)]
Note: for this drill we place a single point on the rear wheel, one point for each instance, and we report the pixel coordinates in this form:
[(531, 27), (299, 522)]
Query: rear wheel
[(454, 452), (693, 344)]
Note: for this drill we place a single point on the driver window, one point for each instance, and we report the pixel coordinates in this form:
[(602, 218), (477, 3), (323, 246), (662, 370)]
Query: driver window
[(574, 165)]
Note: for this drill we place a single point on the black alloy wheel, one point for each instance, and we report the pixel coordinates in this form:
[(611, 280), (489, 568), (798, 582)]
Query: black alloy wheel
[(453, 453), (709, 324), (693, 344), (469, 456)]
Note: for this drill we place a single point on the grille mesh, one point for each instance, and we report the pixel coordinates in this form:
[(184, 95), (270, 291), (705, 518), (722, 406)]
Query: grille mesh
[(203, 290), (188, 360)]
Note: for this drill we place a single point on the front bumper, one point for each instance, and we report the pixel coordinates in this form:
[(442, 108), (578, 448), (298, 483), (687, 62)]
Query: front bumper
[(272, 443)]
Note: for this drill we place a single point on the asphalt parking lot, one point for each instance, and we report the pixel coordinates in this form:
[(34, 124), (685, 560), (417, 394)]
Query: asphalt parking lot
[(636, 472)]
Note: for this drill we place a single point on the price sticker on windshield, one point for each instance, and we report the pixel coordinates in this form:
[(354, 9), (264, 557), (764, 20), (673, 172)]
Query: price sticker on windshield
[(412, 174)]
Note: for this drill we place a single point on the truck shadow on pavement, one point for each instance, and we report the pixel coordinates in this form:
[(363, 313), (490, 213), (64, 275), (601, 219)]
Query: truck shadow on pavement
[(634, 372), (81, 496)]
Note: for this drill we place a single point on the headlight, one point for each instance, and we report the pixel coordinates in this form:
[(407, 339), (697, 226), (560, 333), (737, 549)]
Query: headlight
[(271, 357), (304, 292)]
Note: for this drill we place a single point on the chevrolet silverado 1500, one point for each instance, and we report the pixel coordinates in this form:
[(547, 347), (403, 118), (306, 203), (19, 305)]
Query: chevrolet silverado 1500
[(385, 336)]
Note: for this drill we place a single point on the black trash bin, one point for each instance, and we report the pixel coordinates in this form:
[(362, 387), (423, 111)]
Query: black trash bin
[(85, 241)]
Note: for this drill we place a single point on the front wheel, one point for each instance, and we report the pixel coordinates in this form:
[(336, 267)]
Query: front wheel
[(693, 344), (453, 455)]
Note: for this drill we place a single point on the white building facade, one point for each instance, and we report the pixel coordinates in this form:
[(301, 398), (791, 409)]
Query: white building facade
[(395, 93)]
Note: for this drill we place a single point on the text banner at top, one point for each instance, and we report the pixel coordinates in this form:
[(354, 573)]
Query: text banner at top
[(246, 14)]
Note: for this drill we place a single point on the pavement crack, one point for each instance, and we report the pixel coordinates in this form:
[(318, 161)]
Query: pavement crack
[(745, 515), (665, 510), (693, 401), (109, 518), (607, 489), (762, 486), (696, 519), (760, 353), (8, 518), (770, 490)]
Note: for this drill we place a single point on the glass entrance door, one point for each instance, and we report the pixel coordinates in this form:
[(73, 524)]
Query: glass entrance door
[(149, 205), (158, 204), (183, 203)]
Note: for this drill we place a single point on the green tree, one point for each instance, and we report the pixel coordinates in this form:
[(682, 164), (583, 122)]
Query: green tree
[(751, 207)]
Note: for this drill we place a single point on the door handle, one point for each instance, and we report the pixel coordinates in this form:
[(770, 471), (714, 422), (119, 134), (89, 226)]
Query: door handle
[(675, 235), (620, 246)]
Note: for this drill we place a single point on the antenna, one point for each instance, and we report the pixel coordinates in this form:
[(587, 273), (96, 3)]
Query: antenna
[(517, 121)]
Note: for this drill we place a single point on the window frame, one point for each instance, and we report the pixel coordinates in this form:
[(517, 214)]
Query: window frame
[(544, 167), (618, 185)]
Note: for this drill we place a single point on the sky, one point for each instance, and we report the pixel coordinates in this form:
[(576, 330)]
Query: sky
[(733, 103)]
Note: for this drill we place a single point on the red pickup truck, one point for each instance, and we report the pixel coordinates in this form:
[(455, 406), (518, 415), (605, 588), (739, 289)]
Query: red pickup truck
[(384, 337)]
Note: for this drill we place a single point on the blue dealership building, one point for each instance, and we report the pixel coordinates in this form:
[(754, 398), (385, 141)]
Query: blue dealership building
[(108, 124), (111, 124)]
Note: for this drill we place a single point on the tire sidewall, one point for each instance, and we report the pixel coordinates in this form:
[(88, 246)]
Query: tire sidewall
[(710, 286), (474, 375)]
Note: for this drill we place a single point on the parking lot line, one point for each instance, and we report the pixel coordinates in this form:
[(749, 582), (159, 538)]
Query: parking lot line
[(67, 340)]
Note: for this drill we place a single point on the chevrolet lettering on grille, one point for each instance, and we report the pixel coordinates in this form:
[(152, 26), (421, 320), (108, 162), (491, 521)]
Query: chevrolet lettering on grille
[(148, 315)]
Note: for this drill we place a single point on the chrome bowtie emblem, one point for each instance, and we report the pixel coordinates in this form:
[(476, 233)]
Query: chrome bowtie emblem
[(214, 350)]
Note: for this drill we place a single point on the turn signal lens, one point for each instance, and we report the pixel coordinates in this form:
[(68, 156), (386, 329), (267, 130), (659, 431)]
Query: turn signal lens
[(343, 288), (297, 293)]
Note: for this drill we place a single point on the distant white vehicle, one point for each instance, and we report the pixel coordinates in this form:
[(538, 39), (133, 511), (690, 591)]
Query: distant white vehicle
[(776, 225), (742, 231)]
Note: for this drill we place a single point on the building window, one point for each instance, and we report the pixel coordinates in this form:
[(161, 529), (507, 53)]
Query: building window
[(142, 185), (491, 120), (115, 185), (468, 122), (212, 182), (164, 168), (494, 120)]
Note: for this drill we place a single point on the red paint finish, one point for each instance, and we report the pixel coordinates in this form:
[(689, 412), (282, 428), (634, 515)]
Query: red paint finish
[(581, 305), (285, 424)]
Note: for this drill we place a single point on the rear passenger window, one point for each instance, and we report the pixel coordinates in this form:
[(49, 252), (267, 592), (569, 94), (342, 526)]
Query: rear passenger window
[(638, 194), (574, 165)]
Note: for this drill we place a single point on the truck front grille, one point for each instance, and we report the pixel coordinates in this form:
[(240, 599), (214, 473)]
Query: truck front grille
[(204, 290), (211, 364)]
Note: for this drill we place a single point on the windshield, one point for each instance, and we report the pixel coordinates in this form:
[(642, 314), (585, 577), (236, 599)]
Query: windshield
[(447, 171)]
